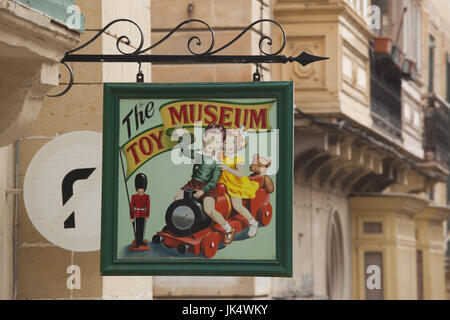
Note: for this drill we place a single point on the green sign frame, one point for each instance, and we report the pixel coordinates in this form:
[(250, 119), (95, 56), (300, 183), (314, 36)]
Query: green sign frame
[(281, 264)]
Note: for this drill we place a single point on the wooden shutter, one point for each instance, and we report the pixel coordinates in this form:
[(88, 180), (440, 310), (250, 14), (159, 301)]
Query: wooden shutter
[(419, 275), (447, 56), (431, 47)]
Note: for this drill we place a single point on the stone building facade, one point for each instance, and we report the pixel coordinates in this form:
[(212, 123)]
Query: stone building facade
[(370, 154), (31, 45)]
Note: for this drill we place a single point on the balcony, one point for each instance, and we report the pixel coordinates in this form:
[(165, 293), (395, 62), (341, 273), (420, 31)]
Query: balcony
[(436, 143), (386, 103), (31, 46)]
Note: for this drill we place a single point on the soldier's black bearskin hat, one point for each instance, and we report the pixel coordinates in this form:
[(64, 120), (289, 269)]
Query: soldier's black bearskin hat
[(140, 181)]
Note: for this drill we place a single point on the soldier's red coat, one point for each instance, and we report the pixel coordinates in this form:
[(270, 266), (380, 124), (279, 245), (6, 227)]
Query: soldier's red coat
[(140, 206)]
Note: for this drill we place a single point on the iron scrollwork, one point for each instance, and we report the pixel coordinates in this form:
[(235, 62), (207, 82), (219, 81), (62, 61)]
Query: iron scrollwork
[(69, 86), (209, 55)]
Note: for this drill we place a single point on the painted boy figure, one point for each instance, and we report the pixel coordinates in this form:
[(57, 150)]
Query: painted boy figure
[(205, 175), (140, 212)]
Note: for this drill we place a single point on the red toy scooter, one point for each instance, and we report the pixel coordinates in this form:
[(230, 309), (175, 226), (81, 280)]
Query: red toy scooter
[(185, 221)]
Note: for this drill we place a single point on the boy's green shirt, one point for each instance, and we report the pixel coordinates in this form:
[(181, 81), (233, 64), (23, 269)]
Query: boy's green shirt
[(207, 171)]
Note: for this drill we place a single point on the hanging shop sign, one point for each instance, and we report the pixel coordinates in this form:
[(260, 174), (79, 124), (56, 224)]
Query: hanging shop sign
[(197, 179)]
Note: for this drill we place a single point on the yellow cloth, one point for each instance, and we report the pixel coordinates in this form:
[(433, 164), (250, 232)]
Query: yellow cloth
[(241, 188)]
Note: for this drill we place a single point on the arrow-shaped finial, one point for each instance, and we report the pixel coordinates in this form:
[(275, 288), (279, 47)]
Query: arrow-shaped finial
[(305, 58)]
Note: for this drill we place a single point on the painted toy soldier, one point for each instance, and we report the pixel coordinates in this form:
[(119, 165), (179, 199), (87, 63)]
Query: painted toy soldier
[(140, 209)]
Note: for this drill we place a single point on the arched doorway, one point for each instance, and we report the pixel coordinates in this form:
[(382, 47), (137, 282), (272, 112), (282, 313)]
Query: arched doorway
[(335, 259)]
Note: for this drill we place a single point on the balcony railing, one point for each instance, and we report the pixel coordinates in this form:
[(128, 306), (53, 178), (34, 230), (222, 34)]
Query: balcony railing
[(437, 135), (386, 104)]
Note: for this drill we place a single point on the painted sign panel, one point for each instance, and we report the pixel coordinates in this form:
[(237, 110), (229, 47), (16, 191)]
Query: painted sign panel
[(197, 179), (62, 189)]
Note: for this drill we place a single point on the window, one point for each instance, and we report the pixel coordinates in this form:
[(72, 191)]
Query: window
[(431, 194), (335, 265), (373, 227), (360, 6), (447, 58), (431, 49), (412, 31), (371, 260)]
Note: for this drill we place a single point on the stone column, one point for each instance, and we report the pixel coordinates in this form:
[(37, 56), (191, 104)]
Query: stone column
[(383, 235), (431, 245), (6, 222)]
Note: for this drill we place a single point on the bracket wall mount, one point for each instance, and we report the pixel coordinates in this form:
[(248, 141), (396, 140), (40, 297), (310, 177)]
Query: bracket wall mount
[(206, 56)]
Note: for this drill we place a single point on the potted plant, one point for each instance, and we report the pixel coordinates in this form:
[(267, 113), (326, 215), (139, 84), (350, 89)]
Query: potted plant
[(382, 45), (409, 68), (413, 69), (406, 66)]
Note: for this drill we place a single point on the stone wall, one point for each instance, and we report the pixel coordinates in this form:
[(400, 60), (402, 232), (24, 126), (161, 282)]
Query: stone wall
[(42, 266), (314, 210)]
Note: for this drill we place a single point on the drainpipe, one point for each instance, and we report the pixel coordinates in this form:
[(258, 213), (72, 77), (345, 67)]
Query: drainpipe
[(16, 218), (15, 191)]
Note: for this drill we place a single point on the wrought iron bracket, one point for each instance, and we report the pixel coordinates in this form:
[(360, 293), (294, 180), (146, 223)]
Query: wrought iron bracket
[(139, 55)]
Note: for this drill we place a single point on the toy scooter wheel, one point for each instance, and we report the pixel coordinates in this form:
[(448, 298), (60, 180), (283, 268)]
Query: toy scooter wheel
[(265, 214), (210, 244), (157, 239), (182, 248)]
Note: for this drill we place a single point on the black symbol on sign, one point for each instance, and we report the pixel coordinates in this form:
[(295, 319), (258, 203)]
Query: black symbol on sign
[(70, 221), (67, 190)]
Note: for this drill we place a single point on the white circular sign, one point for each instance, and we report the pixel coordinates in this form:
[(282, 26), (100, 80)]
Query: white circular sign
[(62, 190)]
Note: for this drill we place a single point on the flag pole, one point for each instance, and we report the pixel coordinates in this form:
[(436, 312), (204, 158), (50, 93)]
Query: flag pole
[(126, 188)]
